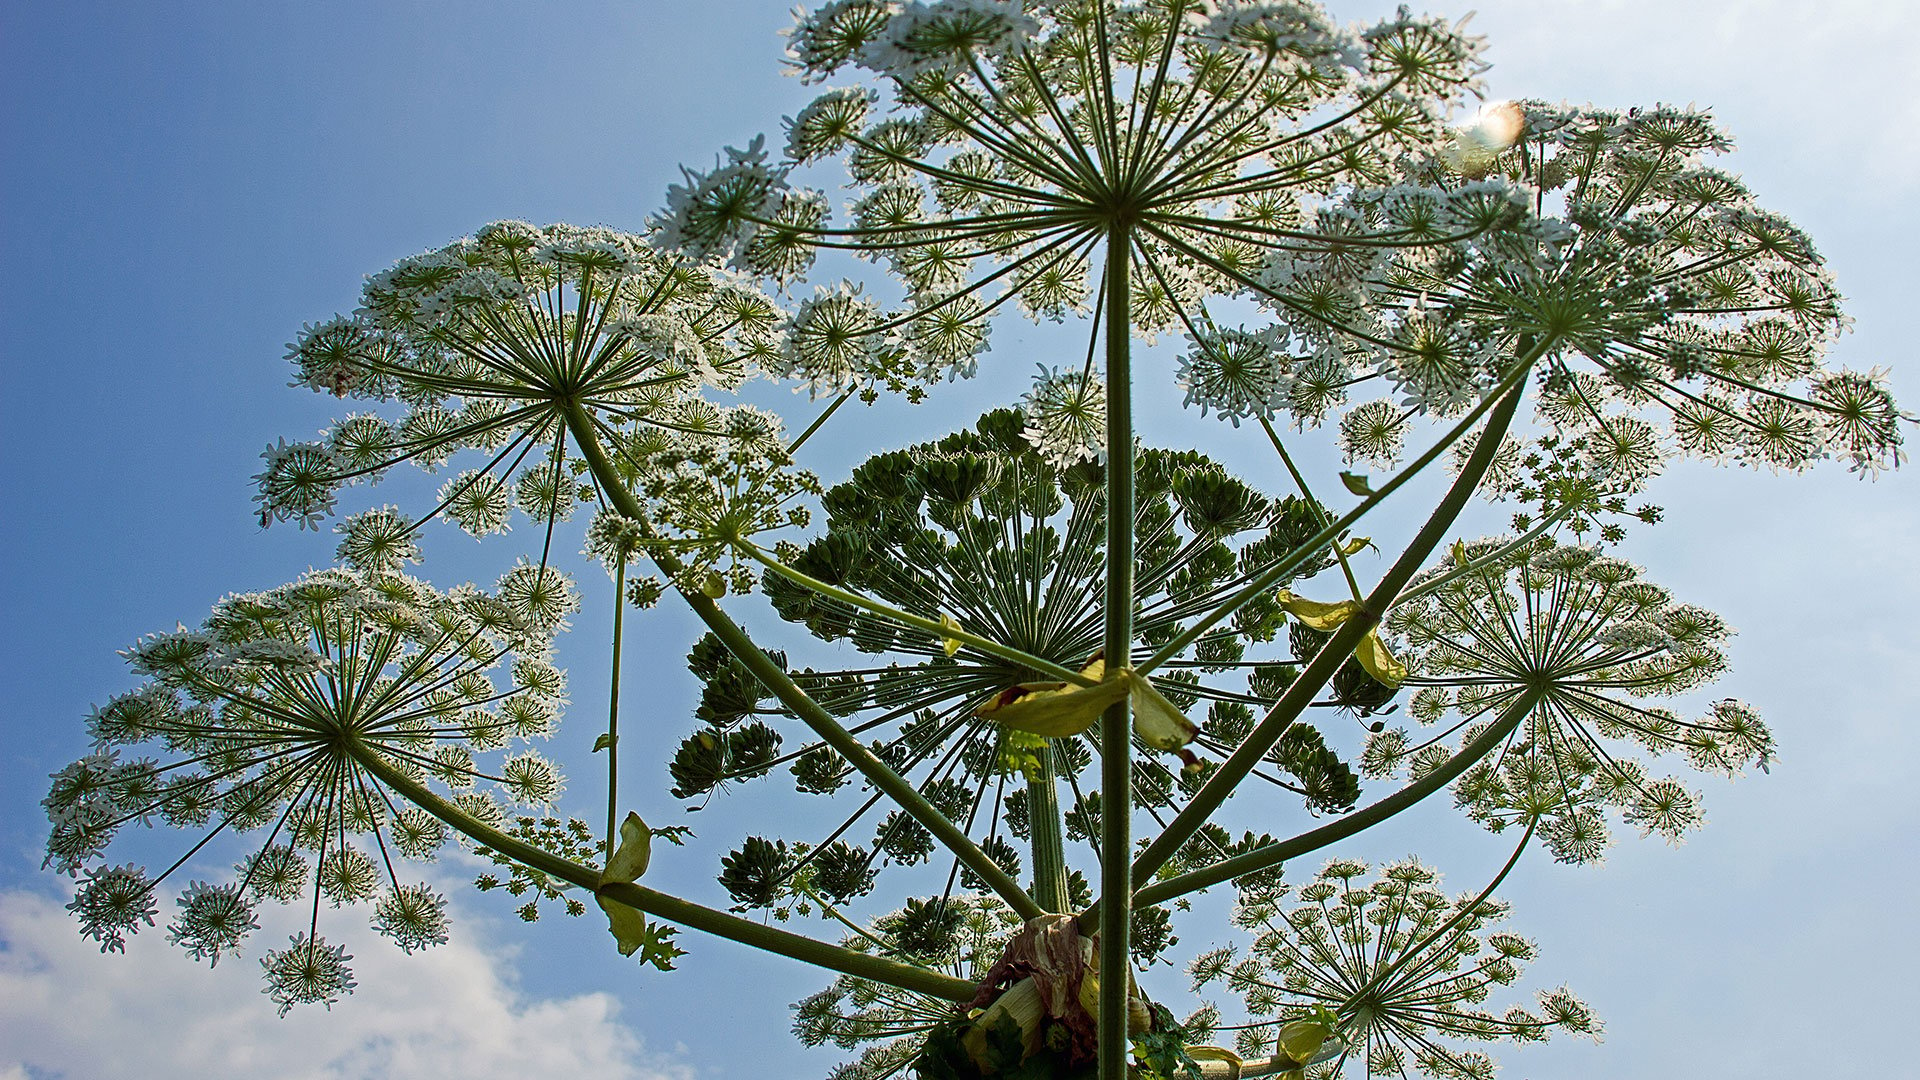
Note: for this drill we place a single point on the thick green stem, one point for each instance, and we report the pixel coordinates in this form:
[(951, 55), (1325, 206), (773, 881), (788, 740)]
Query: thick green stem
[(789, 693), (1049, 837), (1116, 728), (613, 708), (1324, 665), (1274, 854), (662, 905)]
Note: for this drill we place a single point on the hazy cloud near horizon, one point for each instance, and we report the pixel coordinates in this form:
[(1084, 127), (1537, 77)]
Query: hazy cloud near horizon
[(452, 1012)]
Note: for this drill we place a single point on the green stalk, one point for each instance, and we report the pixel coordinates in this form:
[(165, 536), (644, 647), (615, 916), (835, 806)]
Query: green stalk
[(1467, 911), (613, 709), (1049, 842), (1491, 558), (1300, 482), (1331, 655), (662, 905), (818, 422), (1116, 728), (1278, 572), (789, 693), (1279, 852)]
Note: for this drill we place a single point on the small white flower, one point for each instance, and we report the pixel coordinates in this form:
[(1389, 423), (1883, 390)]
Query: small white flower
[(940, 36), (715, 212), (1067, 416)]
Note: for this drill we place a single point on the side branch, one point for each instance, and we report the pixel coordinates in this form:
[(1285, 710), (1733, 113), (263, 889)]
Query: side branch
[(662, 905), (1270, 855), (789, 693), (1335, 651), (1274, 574)]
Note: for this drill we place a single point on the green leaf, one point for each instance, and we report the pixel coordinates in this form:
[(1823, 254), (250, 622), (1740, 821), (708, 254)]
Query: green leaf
[(1020, 753), (1311, 1039), (604, 742), (1356, 484)]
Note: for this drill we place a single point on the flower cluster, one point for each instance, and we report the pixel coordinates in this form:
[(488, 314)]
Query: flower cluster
[(1669, 313), (980, 528), (1014, 139), (503, 341), (276, 719), (1566, 645), (1403, 967)]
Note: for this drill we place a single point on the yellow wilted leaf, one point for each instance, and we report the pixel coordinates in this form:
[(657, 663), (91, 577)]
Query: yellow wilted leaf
[(1155, 719), (1217, 1053), (1356, 545), (630, 928), (1317, 614), (952, 645), (1378, 661), (1055, 709), (630, 859), (1372, 653)]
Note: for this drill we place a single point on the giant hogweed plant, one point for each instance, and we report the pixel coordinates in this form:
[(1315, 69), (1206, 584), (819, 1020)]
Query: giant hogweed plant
[(1044, 656)]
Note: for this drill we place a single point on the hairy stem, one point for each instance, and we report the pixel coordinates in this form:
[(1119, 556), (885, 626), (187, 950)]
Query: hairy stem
[(1116, 728), (1048, 836), (613, 710)]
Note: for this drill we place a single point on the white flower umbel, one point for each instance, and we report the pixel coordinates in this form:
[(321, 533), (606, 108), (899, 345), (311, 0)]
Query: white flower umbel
[(1585, 644), (259, 722), (494, 344)]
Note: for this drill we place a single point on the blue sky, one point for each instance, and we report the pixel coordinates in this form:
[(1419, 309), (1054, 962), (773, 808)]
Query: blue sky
[(181, 187)]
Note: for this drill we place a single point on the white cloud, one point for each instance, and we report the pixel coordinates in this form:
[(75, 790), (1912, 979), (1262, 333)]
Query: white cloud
[(452, 1012)]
